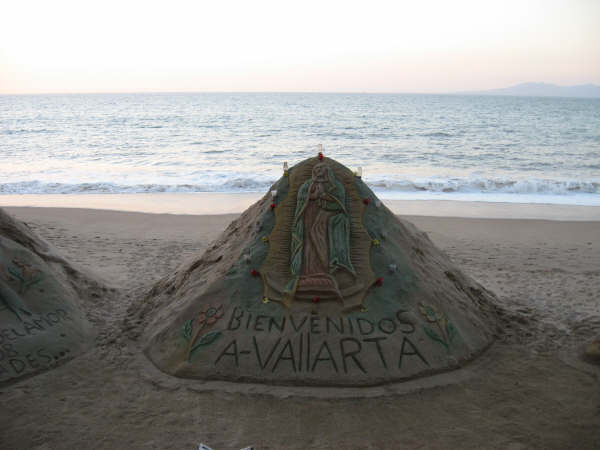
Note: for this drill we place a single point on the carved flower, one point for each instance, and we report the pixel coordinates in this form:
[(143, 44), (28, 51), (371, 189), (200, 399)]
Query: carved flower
[(25, 274), (430, 313), (209, 315)]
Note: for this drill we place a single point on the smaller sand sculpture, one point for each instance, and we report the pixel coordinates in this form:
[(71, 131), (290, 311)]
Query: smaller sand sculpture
[(41, 321)]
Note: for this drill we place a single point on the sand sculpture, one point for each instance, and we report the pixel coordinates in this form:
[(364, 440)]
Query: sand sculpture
[(318, 284), (41, 321)]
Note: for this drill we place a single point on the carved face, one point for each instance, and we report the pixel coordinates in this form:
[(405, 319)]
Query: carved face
[(319, 172)]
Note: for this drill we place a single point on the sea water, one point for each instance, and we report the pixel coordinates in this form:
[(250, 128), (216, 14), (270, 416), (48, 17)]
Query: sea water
[(445, 147)]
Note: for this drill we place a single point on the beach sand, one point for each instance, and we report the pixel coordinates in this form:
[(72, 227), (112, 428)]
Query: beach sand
[(529, 390)]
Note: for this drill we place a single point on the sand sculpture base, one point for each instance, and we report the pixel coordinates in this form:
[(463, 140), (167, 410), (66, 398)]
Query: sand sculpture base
[(233, 314)]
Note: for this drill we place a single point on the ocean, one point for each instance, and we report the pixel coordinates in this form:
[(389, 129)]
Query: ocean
[(443, 147)]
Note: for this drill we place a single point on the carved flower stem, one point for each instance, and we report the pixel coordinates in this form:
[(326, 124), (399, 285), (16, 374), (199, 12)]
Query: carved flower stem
[(194, 339), (441, 323)]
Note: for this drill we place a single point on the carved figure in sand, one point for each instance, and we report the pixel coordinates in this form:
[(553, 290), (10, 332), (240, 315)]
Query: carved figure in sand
[(320, 244)]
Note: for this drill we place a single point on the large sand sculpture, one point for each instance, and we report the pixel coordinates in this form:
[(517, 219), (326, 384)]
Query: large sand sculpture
[(318, 284), (41, 320)]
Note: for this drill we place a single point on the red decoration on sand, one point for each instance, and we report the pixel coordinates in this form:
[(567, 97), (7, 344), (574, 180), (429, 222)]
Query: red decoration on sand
[(321, 156), (316, 299), (272, 206), (367, 200), (254, 272), (209, 315), (379, 281)]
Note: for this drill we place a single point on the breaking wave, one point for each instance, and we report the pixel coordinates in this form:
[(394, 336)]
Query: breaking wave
[(434, 185), (37, 187), (488, 186)]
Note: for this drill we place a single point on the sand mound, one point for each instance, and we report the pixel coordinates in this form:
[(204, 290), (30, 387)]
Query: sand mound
[(317, 284), (41, 320)]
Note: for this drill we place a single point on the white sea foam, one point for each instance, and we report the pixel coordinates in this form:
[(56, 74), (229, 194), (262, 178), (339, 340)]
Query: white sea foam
[(467, 189), (486, 185)]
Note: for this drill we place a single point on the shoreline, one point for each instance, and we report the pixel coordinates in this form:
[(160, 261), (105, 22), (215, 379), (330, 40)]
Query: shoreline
[(209, 203)]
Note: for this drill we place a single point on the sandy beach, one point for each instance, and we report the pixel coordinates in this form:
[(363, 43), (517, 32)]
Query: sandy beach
[(530, 389)]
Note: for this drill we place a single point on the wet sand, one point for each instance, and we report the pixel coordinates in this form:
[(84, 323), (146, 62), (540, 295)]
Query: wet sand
[(220, 203)]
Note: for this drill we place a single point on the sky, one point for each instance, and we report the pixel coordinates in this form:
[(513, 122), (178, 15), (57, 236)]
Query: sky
[(64, 46)]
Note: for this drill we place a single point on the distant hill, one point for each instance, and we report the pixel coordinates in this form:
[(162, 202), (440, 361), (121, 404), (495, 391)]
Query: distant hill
[(543, 90)]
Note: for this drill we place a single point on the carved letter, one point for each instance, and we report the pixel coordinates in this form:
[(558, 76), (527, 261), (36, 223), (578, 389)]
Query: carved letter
[(351, 354), (289, 357), (38, 322), (350, 326), (51, 319), (379, 350), (258, 325), (296, 328), (387, 329), (233, 352), (273, 324), (300, 353), (18, 334), (314, 324), (403, 321), (257, 351), (42, 354), (318, 358), (339, 328), (414, 351), (360, 322), (237, 318), (6, 334), (17, 365), (32, 361), (63, 314), (29, 327)]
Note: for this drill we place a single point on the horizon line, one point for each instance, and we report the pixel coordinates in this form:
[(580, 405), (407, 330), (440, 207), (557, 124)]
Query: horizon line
[(228, 92), (461, 92)]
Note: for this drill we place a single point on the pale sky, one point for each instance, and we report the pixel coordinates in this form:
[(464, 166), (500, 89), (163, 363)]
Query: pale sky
[(50, 46)]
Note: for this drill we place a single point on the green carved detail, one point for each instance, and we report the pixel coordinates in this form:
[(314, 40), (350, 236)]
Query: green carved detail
[(207, 317), (187, 330), (434, 336), (452, 331), (13, 302), (25, 274), (446, 331), (207, 339)]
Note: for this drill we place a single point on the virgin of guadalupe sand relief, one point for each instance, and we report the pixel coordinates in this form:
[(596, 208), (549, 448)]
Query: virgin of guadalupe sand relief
[(319, 249), (320, 245)]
